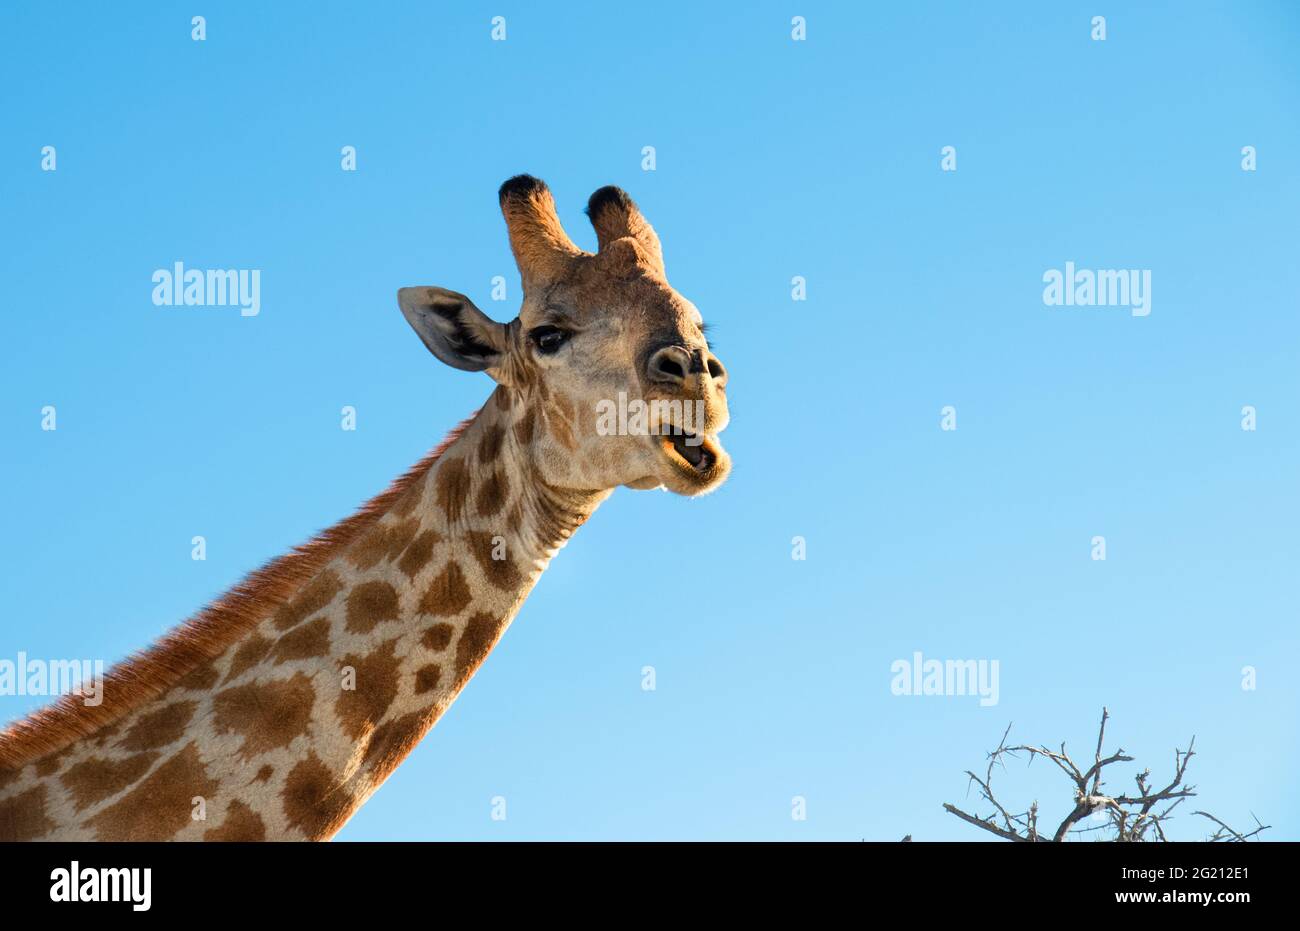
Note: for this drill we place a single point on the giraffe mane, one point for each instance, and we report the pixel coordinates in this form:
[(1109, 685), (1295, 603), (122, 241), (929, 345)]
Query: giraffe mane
[(149, 673)]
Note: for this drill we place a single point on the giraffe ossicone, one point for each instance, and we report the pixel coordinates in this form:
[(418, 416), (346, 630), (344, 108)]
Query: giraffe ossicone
[(283, 705)]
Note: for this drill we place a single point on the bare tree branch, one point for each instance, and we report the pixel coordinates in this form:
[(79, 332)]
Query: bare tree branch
[(987, 824), (1130, 818), (1224, 830), (1097, 766)]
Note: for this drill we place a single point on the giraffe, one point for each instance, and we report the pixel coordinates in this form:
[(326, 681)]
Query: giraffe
[(276, 711)]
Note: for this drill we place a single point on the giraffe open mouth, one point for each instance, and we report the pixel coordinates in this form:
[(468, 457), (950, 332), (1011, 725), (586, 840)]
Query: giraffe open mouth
[(697, 451)]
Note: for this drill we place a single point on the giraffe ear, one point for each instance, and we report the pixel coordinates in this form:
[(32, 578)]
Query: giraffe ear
[(453, 329)]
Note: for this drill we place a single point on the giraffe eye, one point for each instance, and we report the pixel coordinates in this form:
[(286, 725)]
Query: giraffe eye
[(548, 339)]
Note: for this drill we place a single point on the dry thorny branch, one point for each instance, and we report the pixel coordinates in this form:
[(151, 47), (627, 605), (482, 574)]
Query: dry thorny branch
[(1139, 817)]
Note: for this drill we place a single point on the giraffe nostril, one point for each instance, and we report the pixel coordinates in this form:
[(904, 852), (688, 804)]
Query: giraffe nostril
[(671, 364), (670, 367), (716, 371)]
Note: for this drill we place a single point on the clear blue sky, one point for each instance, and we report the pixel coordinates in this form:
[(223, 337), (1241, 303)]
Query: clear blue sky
[(774, 159)]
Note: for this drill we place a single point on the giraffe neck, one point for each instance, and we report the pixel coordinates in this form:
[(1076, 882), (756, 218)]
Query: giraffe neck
[(296, 722)]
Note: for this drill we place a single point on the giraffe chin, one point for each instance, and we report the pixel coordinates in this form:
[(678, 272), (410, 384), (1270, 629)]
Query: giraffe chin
[(697, 463)]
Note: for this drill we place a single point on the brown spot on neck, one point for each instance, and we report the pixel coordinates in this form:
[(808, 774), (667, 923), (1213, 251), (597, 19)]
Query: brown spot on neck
[(427, 678), (438, 637), (479, 637), (489, 446), (418, 554), (524, 427), (394, 740), (268, 715), (376, 678), (247, 655), (241, 824), (23, 816), (502, 573), (448, 594), (369, 605), (91, 781), (453, 483), (304, 642), (313, 800), (160, 806), (159, 728), (492, 494)]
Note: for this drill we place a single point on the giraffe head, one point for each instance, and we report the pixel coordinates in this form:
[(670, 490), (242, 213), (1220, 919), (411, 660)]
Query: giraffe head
[(606, 371)]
